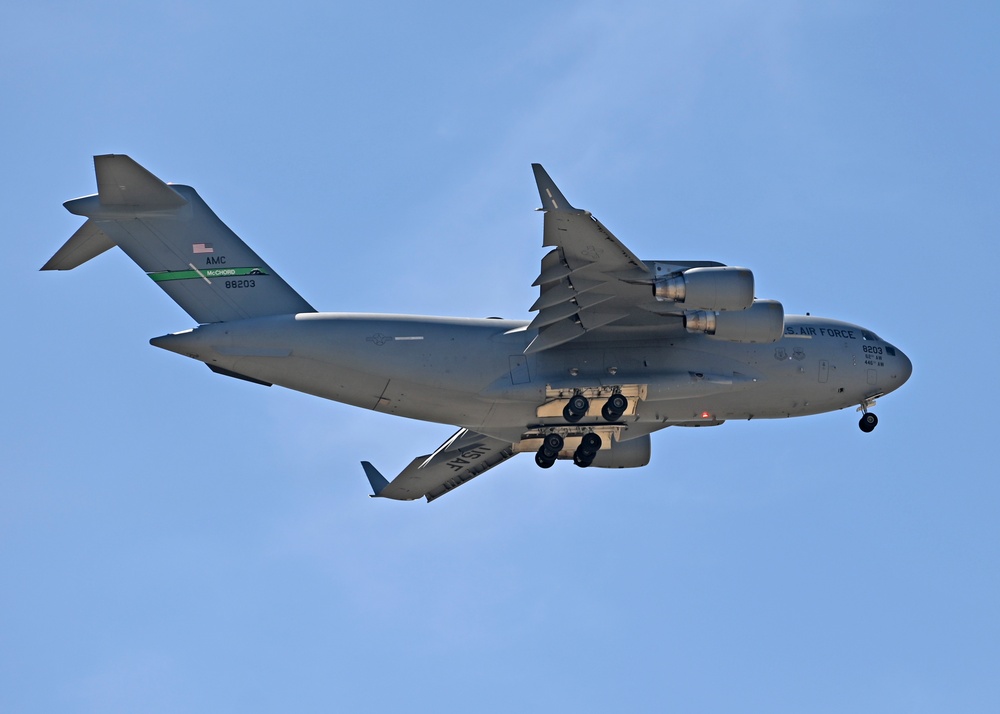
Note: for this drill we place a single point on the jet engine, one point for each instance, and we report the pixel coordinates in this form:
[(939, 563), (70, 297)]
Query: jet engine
[(720, 288), (763, 321)]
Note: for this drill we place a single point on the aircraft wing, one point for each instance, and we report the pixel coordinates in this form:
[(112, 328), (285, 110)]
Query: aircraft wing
[(589, 279), (460, 459)]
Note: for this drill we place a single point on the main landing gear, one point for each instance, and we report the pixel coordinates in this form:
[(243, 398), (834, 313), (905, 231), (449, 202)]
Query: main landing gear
[(590, 443), (586, 452), (583, 457), (552, 444), (614, 407), (578, 406)]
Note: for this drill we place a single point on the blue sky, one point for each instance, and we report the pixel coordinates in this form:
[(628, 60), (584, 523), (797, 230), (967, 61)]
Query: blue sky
[(174, 541)]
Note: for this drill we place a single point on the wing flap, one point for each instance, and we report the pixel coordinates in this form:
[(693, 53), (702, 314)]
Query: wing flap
[(589, 279), (556, 295), (556, 272), (555, 335), (592, 319), (551, 315)]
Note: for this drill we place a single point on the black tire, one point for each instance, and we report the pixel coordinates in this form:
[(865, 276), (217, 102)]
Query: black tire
[(543, 462), (576, 409), (552, 444), (591, 443), (868, 422), (614, 407)]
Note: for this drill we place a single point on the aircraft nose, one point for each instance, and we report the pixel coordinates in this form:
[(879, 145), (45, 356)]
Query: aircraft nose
[(904, 368)]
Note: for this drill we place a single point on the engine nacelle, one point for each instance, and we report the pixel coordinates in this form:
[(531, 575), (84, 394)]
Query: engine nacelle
[(763, 321), (624, 454), (721, 288)]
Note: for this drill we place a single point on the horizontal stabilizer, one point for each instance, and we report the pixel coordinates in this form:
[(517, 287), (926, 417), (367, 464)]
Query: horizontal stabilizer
[(123, 182), (88, 242), (460, 459)]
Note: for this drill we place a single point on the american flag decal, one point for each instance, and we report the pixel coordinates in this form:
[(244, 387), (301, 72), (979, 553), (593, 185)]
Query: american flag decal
[(202, 248)]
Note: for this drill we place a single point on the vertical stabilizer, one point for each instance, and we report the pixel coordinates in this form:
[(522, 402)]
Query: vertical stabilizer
[(172, 234)]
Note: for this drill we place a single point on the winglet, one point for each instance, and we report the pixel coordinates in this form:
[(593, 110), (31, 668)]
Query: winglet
[(552, 198), (376, 479)]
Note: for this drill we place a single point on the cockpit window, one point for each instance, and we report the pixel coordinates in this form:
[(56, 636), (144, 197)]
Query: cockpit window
[(891, 350), (870, 336)]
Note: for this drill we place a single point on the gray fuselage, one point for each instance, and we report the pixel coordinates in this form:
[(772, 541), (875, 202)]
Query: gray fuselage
[(474, 373)]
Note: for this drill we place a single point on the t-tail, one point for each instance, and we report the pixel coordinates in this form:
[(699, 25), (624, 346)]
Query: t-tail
[(172, 234)]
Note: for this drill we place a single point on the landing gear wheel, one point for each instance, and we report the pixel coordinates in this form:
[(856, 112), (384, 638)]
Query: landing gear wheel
[(868, 422), (547, 454), (585, 454), (576, 409), (583, 460), (614, 407), (552, 444), (543, 462), (591, 442)]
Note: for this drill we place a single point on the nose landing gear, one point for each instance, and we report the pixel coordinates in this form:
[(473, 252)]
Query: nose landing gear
[(868, 419), (868, 422), (553, 443)]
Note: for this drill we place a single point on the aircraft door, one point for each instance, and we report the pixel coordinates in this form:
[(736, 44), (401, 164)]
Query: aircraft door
[(519, 370), (824, 370)]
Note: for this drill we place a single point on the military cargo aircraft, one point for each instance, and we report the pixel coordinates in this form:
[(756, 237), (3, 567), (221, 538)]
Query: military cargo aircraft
[(618, 348)]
